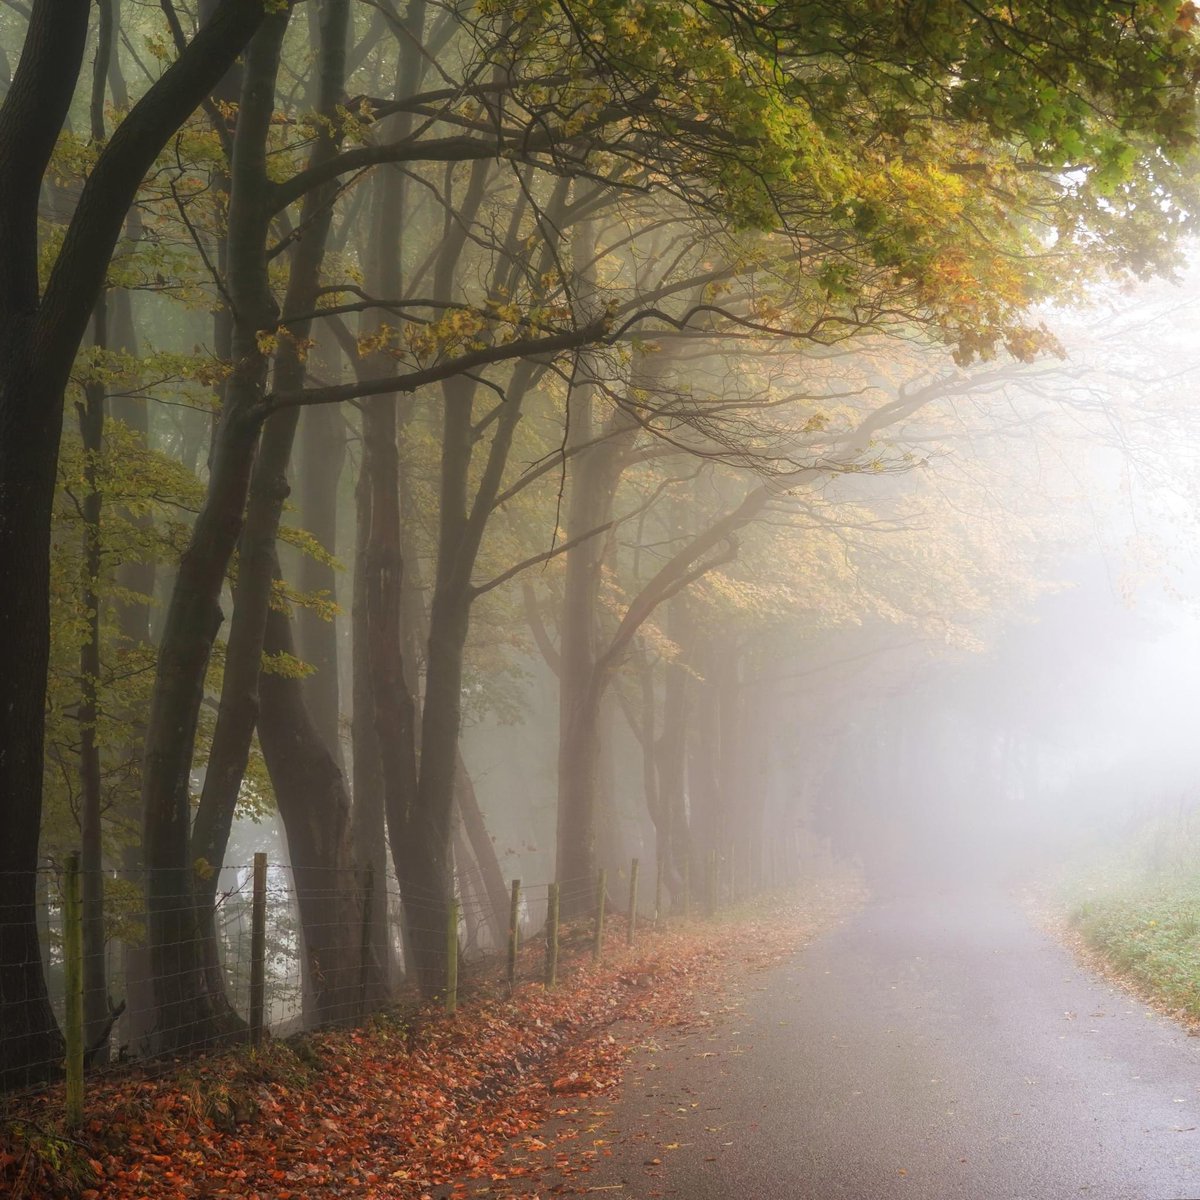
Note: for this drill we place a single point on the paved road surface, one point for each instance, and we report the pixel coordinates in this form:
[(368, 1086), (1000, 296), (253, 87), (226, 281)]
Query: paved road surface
[(930, 1048)]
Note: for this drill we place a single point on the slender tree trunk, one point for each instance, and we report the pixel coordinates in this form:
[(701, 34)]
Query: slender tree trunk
[(672, 771), (476, 910), (734, 792), (257, 561), (369, 828), (483, 848), (322, 454), (95, 986), (314, 806), (392, 706), (429, 864), (385, 703), (187, 1007), (387, 700), (578, 757), (704, 741), (136, 578), (660, 813), (612, 850), (90, 411), (595, 473)]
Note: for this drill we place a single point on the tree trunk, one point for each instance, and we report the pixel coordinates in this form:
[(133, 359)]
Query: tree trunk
[(392, 706), (736, 796), (322, 453), (595, 473), (34, 109), (91, 432), (30, 1048), (187, 1006), (369, 828), (484, 850), (38, 342), (704, 747), (578, 755), (672, 773), (257, 560), (136, 578), (430, 829), (315, 809), (95, 986), (612, 846)]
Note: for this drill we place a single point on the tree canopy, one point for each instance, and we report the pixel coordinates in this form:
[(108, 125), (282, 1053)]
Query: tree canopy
[(365, 369)]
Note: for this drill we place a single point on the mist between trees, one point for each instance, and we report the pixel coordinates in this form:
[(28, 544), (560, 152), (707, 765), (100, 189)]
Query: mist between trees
[(435, 438)]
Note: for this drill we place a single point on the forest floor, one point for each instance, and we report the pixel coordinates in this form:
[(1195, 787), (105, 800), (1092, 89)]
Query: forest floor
[(410, 1103)]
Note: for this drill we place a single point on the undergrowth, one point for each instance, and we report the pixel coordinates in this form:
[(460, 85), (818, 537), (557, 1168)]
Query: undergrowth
[(1149, 931), (1136, 904)]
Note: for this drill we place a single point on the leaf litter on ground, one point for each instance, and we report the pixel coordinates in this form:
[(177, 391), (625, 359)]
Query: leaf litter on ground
[(410, 1102)]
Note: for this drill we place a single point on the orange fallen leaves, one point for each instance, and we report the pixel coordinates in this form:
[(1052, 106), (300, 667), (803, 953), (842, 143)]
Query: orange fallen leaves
[(389, 1112)]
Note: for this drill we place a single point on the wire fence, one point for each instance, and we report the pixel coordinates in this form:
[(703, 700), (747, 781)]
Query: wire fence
[(137, 967)]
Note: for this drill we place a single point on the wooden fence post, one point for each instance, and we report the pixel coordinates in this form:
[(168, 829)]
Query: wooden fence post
[(551, 977), (514, 932), (598, 933), (452, 957), (633, 900), (258, 950), (73, 956), (364, 941)]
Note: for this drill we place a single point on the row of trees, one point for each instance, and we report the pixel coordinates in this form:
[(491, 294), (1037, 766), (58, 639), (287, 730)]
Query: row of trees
[(590, 320)]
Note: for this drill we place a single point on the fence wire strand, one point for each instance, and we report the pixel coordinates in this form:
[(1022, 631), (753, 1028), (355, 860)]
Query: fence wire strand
[(178, 976)]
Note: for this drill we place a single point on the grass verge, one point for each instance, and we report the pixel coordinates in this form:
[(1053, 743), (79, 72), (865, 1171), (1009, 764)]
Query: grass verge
[(1148, 933)]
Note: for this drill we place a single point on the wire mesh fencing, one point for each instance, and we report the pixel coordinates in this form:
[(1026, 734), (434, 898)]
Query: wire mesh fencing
[(264, 948)]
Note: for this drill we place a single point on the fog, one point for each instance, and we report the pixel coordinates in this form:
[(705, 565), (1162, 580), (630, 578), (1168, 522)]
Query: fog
[(616, 581), (1069, 729)]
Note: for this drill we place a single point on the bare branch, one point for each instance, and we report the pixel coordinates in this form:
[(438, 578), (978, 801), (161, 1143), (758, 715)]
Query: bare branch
[(533, 560)]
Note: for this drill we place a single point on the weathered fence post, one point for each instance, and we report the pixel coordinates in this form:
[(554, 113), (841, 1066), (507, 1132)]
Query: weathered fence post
[(514, 932), (598, 933), (258, 950), (633, 898), (364, 941), (551, 977), (452, 957), (73, 962)]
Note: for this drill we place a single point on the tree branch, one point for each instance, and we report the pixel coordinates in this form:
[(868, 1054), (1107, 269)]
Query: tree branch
[(79, 270), (541, 635), (533, 560), (458, 365)]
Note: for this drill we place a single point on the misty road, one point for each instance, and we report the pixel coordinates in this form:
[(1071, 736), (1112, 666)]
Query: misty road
[(930, 1048)]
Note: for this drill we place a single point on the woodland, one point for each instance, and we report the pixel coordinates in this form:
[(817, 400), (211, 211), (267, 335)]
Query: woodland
[(433, 431)]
